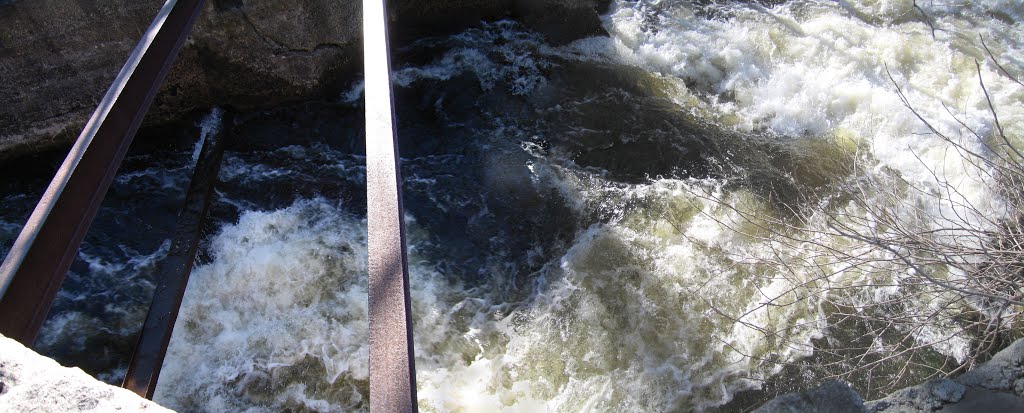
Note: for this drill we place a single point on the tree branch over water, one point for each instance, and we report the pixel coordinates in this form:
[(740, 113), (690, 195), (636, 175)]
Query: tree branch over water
[(899, 267), (927, 20), (992, 57)]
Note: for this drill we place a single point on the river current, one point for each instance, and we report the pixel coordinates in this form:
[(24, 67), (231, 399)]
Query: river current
[(575, 213)]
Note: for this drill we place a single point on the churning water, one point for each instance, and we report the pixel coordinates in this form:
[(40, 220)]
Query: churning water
[(575, 213)]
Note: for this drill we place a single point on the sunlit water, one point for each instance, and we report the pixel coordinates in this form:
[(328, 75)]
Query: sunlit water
[(564, 252)]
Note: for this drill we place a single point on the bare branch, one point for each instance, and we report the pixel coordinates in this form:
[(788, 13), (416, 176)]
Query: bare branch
[(927, 19), (992, 57)]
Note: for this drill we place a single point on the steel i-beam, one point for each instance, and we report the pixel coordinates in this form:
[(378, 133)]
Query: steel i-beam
[(392, 370), (174, 271), (35, 267)]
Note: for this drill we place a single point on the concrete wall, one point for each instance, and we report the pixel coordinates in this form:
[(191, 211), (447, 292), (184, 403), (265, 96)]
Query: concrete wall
[(57, 57)]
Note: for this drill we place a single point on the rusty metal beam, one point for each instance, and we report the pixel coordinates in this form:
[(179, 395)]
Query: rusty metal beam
[(174, 271), (35, 267), (392, 368)]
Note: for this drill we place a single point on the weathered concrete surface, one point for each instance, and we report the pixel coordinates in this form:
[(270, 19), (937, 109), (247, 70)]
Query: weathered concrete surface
[(994, 386), (57, 57), (30, 382)]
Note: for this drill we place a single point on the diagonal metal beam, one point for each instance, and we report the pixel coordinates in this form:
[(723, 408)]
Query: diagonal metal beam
[(35, 267), (172, 277), (392, 368)]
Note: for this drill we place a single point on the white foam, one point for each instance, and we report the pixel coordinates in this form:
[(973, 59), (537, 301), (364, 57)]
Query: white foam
[(819, 70), (496, 53), (280, 313), (279, 316), (209, 125), (815, 69), (355, 93)]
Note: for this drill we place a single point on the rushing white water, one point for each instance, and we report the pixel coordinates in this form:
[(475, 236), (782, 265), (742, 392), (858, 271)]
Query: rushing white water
[(656, 304), (829, 70), (97, 314), (280, 315), (813, 69)]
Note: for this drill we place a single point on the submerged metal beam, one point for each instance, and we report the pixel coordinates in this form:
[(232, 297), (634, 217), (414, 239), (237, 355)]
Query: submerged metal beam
[(35, 267), (172, 277), (392, 369)]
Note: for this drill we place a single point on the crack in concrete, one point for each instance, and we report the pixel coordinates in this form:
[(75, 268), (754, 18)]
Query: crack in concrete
[(280, 48)]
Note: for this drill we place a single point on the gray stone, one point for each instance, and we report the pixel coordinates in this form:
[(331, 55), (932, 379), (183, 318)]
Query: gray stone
[(561, 21), (33, 383), (58, 57), (1001, 372), (995, 386), (947, 390), (978, 400), (926, 397), (830, 397)]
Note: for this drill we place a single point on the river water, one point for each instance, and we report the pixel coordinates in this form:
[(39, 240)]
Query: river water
[(577, 239)]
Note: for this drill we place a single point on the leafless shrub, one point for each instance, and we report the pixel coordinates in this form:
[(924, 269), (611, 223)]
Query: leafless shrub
[(900, 268)]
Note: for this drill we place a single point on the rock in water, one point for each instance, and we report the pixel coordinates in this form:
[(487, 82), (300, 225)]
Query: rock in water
[(833, 396), (994, 386)]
